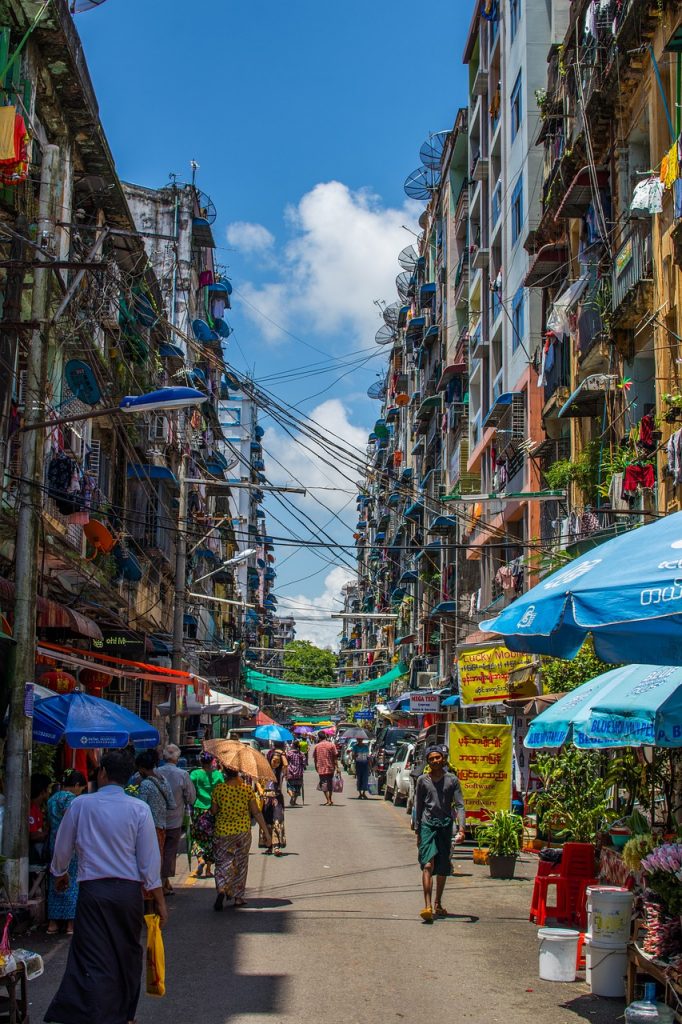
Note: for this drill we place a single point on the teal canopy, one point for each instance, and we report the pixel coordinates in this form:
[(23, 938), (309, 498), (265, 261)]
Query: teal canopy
[(266, 684)]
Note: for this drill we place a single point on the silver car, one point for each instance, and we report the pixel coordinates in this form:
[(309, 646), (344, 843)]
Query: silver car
[(398, 775)]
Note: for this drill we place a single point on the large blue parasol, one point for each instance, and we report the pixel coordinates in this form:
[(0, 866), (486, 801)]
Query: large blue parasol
[(85, 721), (627, 593)]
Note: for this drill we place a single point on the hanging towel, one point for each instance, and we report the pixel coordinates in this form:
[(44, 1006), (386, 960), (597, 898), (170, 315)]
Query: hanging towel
[(7, 145), (672, 167)]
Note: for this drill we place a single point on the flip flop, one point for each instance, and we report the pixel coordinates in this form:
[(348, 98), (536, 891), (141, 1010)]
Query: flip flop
[(426, 915), (440, 911)]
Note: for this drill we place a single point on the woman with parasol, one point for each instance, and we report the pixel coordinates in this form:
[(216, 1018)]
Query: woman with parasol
[(234, 806)]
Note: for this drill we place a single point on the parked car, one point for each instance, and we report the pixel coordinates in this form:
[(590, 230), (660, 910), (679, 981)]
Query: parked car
[(347, 757), (387, 740), (398, 779)]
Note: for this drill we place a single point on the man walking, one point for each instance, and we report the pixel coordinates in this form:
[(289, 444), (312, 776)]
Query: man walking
[(118, 853), (438, 799), (184, 794), (325, 756)]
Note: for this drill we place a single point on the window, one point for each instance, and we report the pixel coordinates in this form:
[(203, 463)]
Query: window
[(516, 107), (518, 318), (517, 210), (514, 17)]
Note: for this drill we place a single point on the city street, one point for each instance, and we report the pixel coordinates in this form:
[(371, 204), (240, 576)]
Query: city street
[(332, 933)]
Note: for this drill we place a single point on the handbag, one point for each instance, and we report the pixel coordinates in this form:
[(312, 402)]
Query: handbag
[(372, 785), (156, 957), (337, 783)]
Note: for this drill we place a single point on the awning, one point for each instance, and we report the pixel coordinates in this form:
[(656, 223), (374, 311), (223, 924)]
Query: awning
[(202, 234), (444, 608), (426, 293), (409, 638), (140, 472), (499, 409), (588, 397), (52, 615), (259, 682), (580, 192), (428, 405), (415, 510), (415, 328), (431, 334), (402, 315), (453, 370), (441, 524), (546, 265), (409, 576), (407, 473), (117, 666), (451, 702)]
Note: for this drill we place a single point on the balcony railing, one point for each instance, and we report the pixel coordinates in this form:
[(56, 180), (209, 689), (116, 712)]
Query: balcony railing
[(632, 264)]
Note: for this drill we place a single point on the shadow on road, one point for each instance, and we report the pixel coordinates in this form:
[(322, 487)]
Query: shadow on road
[(596, 1009)]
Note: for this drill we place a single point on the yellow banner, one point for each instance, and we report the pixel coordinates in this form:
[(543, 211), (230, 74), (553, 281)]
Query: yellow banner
[(482, 757), (484, 675)]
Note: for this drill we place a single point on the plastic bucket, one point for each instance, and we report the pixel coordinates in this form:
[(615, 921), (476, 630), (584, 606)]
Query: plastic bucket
[(558, 953), (605, 968), (609, 911)]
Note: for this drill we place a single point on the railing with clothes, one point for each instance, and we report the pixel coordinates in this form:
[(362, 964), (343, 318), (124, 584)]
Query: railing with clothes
[(632, 262)]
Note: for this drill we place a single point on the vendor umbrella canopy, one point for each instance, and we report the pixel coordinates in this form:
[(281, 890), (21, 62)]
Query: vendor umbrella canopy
[(241, 757), (303, 730), (329, 732), (631, 706), (355, 734), (273, 733), (627, 593), (85, 721)]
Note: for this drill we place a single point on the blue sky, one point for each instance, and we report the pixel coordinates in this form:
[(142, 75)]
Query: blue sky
[(305, 119)]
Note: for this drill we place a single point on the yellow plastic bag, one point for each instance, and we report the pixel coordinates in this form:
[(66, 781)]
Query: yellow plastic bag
[(156, 957)]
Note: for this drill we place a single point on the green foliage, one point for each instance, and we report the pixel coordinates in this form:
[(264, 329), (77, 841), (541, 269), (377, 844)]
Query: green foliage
[(582, 469), (559, 676), (44, 758), (502, 834), (306, 663), (572, 805)]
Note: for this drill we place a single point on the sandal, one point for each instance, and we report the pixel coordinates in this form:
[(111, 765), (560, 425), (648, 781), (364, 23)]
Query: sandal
[(440, 911), (426, 915), (53, 931), (239, 902)]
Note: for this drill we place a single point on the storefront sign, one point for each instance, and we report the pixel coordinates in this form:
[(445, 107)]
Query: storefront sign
[(484, 675), (426, 703), (122, 643), (482, 757), (364, 716)]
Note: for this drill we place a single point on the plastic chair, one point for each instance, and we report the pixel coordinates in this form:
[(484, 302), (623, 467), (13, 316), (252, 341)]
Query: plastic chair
[(576, 873), (545, 868)]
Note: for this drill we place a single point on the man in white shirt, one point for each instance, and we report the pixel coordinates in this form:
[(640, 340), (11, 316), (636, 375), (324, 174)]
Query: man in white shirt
[(185, 794), (118, 853)]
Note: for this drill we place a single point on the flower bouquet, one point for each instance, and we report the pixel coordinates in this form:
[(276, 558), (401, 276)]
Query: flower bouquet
[(663, 867)]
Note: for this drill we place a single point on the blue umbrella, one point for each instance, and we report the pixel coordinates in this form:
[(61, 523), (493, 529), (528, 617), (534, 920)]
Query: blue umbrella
[(627, 593), (631, 706), (274, 733), (85, 721)]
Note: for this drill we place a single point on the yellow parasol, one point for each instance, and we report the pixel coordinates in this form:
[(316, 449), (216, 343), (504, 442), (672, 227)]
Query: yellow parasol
[(241, 757)]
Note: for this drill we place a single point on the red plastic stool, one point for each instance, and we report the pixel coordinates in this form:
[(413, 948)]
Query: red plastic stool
[(580, 954)]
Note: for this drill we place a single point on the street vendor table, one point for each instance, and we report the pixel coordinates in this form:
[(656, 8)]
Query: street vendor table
[(14, 1006), (642, 964)]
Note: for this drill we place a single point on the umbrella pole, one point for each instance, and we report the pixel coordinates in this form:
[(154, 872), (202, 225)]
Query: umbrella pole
[(653, 786)]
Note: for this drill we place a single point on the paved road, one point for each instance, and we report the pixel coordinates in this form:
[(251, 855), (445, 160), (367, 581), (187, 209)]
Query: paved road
[(334, 925)]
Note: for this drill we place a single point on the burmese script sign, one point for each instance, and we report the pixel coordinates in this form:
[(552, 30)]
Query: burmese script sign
[(482, 757), (484, 674)]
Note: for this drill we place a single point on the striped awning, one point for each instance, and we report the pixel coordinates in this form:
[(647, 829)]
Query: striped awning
[(52, 615)]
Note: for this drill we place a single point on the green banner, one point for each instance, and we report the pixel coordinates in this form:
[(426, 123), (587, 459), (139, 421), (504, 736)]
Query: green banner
[(266, 684)]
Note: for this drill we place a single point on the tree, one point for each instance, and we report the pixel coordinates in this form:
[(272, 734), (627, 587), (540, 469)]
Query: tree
[(306, 663), (560, 676)]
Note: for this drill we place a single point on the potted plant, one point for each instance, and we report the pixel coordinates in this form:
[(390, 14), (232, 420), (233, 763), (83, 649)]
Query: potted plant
[(503, 835)]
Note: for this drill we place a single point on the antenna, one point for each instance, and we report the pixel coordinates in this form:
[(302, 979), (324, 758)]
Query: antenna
[(421, 183), (195, 167), (431, 152), (408, 258)]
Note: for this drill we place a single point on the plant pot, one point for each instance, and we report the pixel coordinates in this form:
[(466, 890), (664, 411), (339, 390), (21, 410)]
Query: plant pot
[(501, 867)]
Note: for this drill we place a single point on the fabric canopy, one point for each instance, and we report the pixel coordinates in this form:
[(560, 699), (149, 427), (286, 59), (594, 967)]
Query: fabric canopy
[(266, 684)]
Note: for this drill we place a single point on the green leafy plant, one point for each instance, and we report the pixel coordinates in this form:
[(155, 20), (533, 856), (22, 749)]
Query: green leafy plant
[(572, 804), (306, 663), (559, 676), (502, 834)]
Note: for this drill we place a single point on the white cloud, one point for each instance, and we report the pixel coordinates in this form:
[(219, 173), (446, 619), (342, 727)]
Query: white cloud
[(342, 256), (314, 466), (323, 631), (249, 238)]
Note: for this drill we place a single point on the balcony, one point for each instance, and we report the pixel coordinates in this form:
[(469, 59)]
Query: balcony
[(479, 84), (632, 272), (478, 344), (462, 278), (480, 257), (480, 167)]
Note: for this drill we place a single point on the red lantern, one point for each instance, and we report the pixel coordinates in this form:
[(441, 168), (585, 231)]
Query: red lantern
[(94, 681), (59, 681)]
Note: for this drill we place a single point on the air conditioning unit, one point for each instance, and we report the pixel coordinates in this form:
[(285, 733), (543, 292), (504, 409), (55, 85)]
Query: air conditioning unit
[(426, 680)]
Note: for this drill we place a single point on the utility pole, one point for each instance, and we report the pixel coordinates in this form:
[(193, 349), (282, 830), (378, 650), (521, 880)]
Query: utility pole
[(30, 501), (180, 586)]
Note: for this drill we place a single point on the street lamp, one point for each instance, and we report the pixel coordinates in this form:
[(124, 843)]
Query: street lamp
[(21, 668), (228, 562)]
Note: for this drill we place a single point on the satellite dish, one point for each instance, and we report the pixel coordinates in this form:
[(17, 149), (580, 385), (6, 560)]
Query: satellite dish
[(81, 381), (78, 6), (231, 463), (390, 315), (403, 283), (421, 183), (432, 150), (408, 258), (377, 390), (207, 206), (385, 335)]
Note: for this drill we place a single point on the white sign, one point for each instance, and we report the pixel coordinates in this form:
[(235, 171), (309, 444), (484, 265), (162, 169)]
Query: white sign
[(424, 702)]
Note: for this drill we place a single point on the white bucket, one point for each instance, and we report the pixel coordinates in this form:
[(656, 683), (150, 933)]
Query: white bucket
[(609, 911), (606, 967), (558, 953)]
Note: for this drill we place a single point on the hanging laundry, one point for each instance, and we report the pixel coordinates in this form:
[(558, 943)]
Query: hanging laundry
[(7, 118), (15, 169), (205, 278), (677, 199), (589, 522), (648, 195), (672, 167), (616, 500), (64, 484), (646, 431), (674, 452), (638, 475)]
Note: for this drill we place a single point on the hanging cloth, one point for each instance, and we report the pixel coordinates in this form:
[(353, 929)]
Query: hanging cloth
[(672, 167), (7, 145)]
